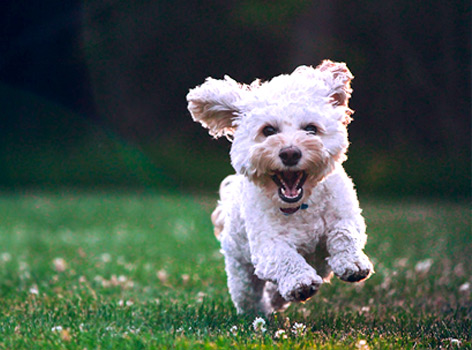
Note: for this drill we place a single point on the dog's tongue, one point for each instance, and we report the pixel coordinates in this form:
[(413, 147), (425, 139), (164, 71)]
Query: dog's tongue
[(290, 183)]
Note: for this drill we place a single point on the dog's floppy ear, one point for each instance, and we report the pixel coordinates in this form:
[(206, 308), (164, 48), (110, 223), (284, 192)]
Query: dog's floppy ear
[(339, 83), (214, 105)]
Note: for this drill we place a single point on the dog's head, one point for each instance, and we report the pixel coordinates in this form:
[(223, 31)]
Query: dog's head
[(288, 133)]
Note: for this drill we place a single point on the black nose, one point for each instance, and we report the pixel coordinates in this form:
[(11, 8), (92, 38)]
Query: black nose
[(290, 155)]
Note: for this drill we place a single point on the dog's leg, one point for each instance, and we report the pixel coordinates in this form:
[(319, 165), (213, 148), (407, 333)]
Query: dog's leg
[(245, 287), (276, 261), (273, 301), (347, 260)]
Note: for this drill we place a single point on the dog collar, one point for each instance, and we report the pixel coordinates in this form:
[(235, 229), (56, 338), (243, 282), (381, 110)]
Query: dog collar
[(290, 211)]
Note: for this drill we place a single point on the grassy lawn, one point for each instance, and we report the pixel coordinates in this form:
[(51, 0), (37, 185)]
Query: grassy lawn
[(139, 271)]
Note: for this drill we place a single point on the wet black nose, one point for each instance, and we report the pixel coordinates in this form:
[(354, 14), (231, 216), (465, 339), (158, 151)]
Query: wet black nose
[(290, 155)]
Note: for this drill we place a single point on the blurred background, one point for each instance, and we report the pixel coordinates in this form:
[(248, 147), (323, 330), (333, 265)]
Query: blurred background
[(92, 93)]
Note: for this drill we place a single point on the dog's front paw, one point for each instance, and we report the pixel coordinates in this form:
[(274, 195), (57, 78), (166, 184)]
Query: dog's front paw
[(351, 268), (300, 288)]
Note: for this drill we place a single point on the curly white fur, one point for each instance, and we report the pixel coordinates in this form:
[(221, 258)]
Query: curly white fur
[(289, 217)]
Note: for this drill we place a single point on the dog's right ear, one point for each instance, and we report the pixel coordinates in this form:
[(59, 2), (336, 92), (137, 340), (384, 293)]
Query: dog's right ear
[(214, 104)]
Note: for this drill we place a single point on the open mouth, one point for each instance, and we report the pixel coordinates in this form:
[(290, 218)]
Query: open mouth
[(290, 185)]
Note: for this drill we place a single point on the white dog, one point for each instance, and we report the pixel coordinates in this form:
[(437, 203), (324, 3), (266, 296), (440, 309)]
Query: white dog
[(289, 217)]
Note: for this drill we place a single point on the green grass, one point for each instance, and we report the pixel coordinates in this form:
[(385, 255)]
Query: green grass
[(142, 271)]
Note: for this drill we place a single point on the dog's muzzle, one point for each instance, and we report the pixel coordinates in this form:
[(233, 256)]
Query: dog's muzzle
[(290, 185)]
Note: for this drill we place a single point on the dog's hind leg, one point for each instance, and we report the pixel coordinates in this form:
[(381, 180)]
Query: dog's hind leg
[(245, 287), (218, 216)]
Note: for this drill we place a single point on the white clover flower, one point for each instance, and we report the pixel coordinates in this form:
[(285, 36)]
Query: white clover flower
[(298, 329), (259, 325), (464, 288), (234, 330), (162, 276), (280, 334), (56, 329), (133, 330), (423, 267), (6, 257), (125, 303), (34, 290), (365, 309), (98, 279), (362, 345), (60, 264), (185, 278), (105, 257), (200, 297)]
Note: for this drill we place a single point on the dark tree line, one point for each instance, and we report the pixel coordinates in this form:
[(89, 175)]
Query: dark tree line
[(129, 64)]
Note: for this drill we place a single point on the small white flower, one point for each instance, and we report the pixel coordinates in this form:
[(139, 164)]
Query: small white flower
[(133, 330), (125, 303), (34, 290), (98, 279), (56, 329), (60, 264), (280, 334), (200, 297), (259, 325), (163, 276), (365, 309), (110, 329), (185, 278), (423, 267), (105, 257), (464, 288), (298, 329), (234, 330), (362, 345), (6, 257)]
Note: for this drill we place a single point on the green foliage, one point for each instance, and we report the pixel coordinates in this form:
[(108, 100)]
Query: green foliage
[(51, 146), (134, 271)]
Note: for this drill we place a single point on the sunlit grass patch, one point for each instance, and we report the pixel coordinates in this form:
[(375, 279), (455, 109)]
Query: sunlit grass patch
[(135, 271)]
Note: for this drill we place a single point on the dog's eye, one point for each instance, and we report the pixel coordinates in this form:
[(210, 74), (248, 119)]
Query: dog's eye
[(311, 129), (269, 130)]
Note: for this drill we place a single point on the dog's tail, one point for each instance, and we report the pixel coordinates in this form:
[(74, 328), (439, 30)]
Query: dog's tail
[(219, 214)]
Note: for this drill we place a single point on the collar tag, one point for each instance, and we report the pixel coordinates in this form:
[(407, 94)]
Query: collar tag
[(304, 206)]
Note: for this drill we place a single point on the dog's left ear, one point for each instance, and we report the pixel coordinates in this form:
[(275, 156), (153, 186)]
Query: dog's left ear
[(214, 104), (339, 82)]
